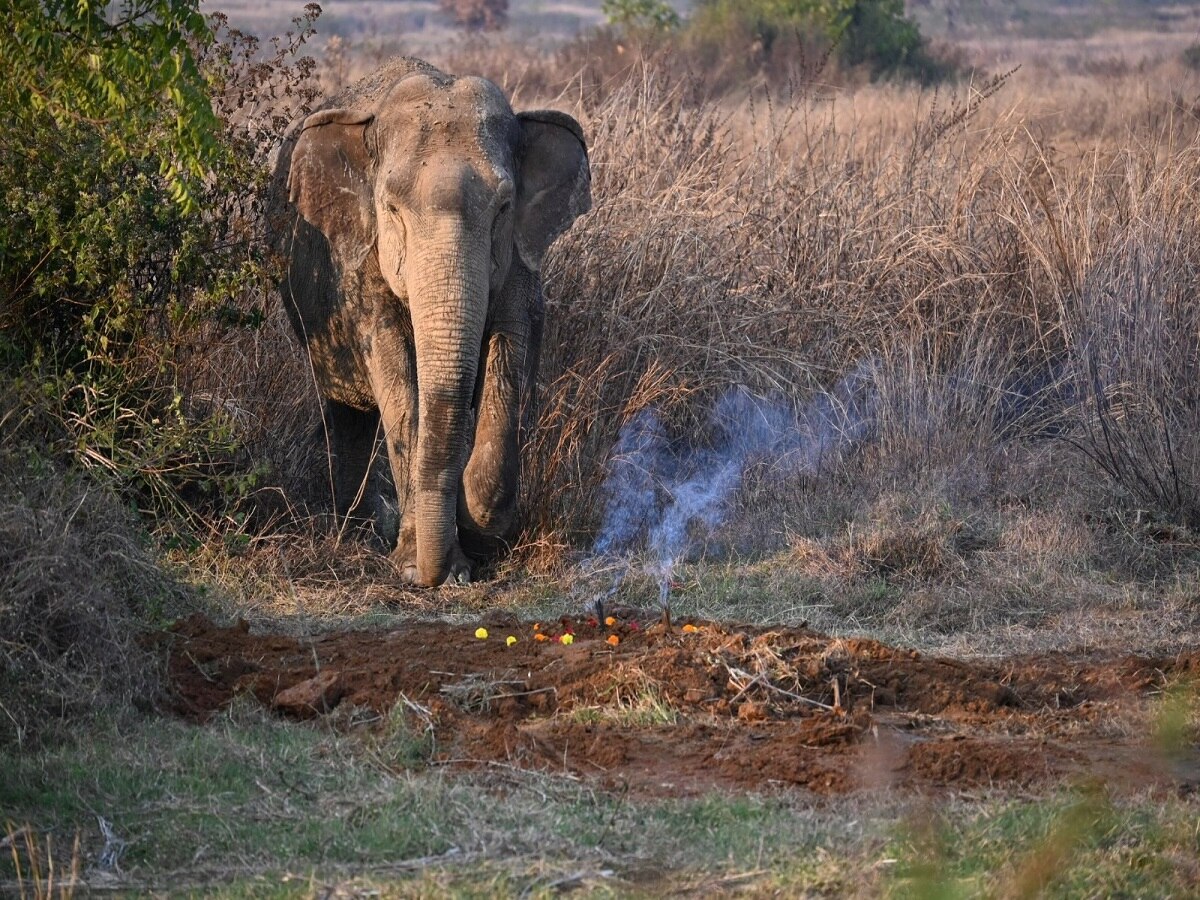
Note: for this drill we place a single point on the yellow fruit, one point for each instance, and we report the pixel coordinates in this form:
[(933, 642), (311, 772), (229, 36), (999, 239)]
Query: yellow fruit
[(481, 633), (567, 639), (510, 640)]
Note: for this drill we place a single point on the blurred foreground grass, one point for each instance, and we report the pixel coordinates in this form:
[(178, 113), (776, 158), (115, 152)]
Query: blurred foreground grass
[(252, 806)]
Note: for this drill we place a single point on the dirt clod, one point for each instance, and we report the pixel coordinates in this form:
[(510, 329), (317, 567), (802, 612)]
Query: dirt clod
[(310, 697), (752, 712)]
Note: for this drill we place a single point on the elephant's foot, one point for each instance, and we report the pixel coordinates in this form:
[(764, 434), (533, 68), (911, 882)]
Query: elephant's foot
[(459, 567), (404, 558)]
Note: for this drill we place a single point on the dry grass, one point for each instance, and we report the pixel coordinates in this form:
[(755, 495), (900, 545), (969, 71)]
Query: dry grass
[(39, 873), (78, 587), (786, 242), (1003, 270)]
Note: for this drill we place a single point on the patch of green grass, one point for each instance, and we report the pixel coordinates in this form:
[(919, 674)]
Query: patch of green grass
[(1070, 846), (642, 707), (247, 799), (245, 788), (263, 807), (405, 738)]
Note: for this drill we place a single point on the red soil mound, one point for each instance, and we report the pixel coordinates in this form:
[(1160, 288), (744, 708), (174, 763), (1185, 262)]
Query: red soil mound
[(668, 711)]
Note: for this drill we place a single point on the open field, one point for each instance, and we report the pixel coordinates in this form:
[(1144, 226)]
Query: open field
[(414, 27), (1000, 32), (946, 622)]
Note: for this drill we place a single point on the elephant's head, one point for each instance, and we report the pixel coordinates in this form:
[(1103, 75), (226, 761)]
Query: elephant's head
[(453, 194)]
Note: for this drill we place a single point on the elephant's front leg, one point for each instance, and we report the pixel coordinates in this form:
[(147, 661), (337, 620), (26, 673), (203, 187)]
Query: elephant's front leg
[(393, 372), (488, 505)]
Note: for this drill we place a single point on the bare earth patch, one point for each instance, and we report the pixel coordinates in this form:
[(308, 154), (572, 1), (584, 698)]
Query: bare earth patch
[(668, 712)]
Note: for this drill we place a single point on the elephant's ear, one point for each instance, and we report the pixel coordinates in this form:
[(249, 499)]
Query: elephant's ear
[(329, 182), (553, 183)]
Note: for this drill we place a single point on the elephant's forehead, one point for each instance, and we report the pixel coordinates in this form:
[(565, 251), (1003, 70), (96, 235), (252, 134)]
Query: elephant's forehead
[(423, 113), (443, 185)]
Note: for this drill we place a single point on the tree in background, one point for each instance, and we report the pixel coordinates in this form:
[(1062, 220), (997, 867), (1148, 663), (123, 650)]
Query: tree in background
[(874, 34), (877, 34), (477, 15), (641, 15)]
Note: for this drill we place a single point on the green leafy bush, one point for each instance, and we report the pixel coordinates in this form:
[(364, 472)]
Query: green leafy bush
[(124, 72), (874, 34), (641, 15), (131, 225), (877, 34)]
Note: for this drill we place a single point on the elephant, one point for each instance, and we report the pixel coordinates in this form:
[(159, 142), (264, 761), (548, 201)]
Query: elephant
[(416, 209)]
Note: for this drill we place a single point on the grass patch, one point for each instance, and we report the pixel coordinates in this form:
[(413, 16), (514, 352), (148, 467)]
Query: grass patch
[(248, 798), (1067, 846), (260, 807), (635, 702)]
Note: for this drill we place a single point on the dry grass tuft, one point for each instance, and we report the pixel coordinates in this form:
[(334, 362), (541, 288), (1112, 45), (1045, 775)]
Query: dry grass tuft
[(896, 542), (78, 588), (39, 873)]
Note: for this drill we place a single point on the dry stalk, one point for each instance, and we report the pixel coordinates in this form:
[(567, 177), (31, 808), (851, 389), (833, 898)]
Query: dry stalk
[(475, 693), (747, 680)]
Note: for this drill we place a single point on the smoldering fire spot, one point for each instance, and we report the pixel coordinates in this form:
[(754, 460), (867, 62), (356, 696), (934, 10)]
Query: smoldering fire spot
[(660, 491)]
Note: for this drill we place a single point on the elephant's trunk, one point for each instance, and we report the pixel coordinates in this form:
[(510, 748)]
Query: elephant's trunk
[(448, 297)]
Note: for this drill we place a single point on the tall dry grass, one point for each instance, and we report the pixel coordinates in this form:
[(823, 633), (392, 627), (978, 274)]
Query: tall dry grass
[(1009, 266), (783, 240)]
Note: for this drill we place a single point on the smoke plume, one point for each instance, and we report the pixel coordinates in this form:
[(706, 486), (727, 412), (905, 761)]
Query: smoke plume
[(662, 494)]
